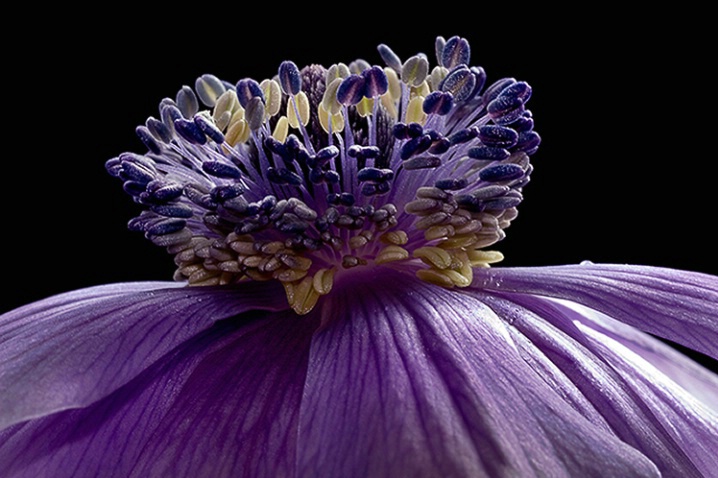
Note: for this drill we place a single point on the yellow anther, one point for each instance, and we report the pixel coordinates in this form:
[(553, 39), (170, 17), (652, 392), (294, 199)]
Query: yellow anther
[(201, 276), (337, 121), (272, 247), (225, 106), (221, 254), (457, 278), (415, 112), (437, 76), (243, 245), (295, 262), (365, 107), (434, 276), (392, 77), (469, 227), (391, 254), (238, 132), (338, 70), (434, 256), (398, 238), (298, 104), (329, 100), (304, 296), (289, 275), (258, 275), (190, 269), (479, 258), (272, 97), (230, 266), (389, 105), (323, 281), (438, 232), (422, 90), (356, 242), (459, 241), (281, 130), (253, 261)]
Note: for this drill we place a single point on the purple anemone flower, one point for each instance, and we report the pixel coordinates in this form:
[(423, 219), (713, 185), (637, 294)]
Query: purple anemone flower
[(335, 312)]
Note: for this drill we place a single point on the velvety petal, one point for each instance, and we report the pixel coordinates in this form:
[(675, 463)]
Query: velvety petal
[(72, 349), (223, 404), (642, 405), (409, 379), (677, 305)]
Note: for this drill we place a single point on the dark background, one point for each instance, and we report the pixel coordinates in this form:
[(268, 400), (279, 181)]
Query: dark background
[(625, 174)]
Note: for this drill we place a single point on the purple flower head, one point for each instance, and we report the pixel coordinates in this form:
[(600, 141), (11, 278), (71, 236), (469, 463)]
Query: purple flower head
[(335, 312)]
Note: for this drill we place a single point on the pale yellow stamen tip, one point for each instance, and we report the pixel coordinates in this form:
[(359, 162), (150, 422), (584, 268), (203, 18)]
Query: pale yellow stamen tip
[(434, 256), (480, 258), (391, 254), (398, 238), (298, 105), (302, 296), (323, 281)]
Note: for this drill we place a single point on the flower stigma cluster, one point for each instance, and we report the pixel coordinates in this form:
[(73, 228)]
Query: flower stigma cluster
[(306, 176)]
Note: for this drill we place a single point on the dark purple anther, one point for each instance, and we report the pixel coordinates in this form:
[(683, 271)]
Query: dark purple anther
[(528, 142), (136, 170), (147, 139), (351, 90), (327, 153), (502, 203), (190, 131), (438, 102), (133, 188), (332, 177), (440, 146), (221, 194), (498, 136), (520, 90), (496, 88), (400, 131), (480, 76), (374, 174), (158, 129), (463, 136), (222, 170), (165, 192), (248, 89), (187, 102), (414, 130), (316, 175), (488, 153), (524, 123), (422, 162), (452, 184), (375, 82), (390, 58), (169, 114), (505, 109), (415, 146), (456, 52), (460, 83), (165, 226), (208, 128), (501, 172), (289, 78), (173, 210)]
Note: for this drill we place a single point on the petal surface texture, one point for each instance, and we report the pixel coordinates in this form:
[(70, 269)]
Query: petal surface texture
[(407, 379), (70, 350), (223, 404), (673, 304)]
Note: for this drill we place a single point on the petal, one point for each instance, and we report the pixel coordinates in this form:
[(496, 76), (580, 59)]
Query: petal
[(409, 379), (223, 404), (642, 405), (677, 305), (69, 350)]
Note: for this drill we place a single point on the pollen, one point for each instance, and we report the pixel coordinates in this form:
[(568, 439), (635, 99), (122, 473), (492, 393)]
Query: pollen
[(314, 173)]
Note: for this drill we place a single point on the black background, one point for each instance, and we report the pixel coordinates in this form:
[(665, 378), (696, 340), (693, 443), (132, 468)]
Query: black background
[(624, 103)]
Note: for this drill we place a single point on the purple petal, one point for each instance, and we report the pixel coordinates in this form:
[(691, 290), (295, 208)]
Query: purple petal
[(645, 407), (677, 305), (409, 379), (223, 404), (70, 350)]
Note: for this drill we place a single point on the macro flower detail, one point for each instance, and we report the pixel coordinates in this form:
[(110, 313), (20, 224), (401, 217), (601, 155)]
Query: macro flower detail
[(314, 172), (336, 310)]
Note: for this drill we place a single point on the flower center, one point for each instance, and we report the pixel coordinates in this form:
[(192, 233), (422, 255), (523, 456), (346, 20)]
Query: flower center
[(318, 171)]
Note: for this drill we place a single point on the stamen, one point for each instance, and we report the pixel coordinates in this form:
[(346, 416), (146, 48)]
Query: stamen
[(295, 177)]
